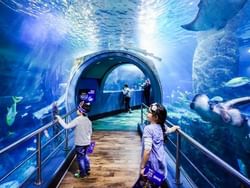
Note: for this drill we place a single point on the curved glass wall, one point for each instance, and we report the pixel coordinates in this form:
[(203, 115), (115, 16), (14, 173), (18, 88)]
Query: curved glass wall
[(124, 74), (196, 46)]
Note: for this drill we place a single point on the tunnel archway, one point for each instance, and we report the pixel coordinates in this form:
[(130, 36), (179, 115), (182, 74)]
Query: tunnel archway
[(92, 71)]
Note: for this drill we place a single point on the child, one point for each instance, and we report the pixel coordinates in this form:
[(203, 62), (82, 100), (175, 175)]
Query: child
[(153, 153), (83, 132)]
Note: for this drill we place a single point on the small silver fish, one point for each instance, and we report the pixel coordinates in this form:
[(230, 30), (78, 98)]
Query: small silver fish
[(238, 81)]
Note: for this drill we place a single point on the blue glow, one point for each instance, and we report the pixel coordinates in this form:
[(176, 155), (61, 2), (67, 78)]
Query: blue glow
[(42, 43)]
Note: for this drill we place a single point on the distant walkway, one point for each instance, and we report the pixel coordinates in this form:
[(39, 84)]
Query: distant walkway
[(114, 163), (120, 122)]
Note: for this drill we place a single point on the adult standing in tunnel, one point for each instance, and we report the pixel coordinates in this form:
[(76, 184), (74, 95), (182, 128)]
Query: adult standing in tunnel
[(153, 153), (127, 96), (83, 132), (146, 86)]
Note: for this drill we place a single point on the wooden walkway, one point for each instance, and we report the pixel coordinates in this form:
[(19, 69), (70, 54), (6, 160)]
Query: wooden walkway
[(114, 163)]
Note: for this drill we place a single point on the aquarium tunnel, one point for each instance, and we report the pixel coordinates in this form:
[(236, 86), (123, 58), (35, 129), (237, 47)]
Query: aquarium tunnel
[(193, 56), (93, 72)]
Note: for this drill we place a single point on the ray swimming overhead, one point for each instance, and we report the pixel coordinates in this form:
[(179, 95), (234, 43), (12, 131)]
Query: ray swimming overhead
[(214, 14)]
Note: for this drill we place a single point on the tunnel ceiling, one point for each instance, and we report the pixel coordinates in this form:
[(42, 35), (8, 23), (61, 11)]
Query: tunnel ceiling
[(100, 67)]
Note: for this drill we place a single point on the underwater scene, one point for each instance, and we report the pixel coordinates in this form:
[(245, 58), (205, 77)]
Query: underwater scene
[(200, 49), (124, 74)]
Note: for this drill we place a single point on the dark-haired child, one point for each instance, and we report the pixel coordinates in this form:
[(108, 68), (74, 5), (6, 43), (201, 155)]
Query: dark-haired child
[(154, 155), (83, 132)]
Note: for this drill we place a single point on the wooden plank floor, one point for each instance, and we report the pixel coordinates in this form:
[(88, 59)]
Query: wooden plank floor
[(114, 163)]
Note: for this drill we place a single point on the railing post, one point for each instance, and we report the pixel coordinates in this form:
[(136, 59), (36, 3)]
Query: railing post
[(66, 146), (38, 160), (177, 168)]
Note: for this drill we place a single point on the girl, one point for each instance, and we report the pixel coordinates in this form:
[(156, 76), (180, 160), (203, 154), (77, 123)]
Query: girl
[(153, 154)]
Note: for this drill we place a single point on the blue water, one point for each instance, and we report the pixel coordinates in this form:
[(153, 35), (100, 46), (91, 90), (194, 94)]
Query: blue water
[(41, 39)]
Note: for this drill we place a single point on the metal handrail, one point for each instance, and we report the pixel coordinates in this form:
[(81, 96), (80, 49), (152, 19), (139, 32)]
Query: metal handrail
[(38, 150), (34, 133), (193, 165), (52, 153), (205, 151), (18, 166), (216, 159)]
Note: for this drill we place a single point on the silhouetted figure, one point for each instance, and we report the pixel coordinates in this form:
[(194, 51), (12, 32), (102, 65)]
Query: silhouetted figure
[(146, 91), (56, 127), (127, 96), (55, 110)]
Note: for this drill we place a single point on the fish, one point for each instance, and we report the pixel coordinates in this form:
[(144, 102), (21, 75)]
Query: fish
[(11, 114), (12, 184), (23, 115), (216, 99), (237, 82), (214, 14), (28, 171), (31, 149), (62, 85), (27, 107), (46, 133), (142, 51), (242, 167)]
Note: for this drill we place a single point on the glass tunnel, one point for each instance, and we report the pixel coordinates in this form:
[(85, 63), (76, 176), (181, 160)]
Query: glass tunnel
[(55, 54)]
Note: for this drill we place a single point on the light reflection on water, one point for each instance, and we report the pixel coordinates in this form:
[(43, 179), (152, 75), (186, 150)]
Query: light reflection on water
[(106, 24)]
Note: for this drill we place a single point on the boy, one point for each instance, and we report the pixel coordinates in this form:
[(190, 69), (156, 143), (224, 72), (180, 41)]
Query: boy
[(83, 132)]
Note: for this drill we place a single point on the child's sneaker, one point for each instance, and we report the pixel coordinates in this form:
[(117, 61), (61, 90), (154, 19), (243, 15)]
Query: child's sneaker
[(78, 176), (88, 172)]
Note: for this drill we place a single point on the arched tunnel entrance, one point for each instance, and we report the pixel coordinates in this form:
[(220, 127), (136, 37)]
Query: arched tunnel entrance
[(92, 72)]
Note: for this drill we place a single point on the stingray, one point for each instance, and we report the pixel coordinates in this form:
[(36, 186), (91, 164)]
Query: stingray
[(224, 112), (214, 14)]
